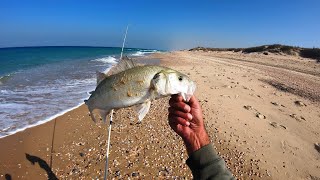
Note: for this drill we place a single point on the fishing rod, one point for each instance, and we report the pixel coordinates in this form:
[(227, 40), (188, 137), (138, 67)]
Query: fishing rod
[(111, 117)]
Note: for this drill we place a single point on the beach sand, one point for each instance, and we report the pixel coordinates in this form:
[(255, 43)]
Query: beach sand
[(262, 112)]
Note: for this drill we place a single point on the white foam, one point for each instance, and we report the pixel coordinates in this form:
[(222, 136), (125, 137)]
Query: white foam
[(109, 59), (139, 53), (21, 99), (143, 52), (107, 70), (148, 50), (22, 107), (4, 91), (5, 77), (39, 122), (13, 105)]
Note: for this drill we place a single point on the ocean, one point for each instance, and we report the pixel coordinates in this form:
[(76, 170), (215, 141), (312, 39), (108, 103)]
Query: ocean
[(38, 84)]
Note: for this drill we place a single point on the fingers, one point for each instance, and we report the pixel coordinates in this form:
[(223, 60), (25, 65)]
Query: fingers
[(174, 120), (177, 98), (179, 105), (194, 103), (186, 116)]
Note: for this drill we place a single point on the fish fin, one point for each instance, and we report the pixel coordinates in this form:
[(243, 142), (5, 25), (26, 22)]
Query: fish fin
[(90, 110), (89, 93), (92, 115), (142, 110), (103, 114), (100, 77), (124, 64)]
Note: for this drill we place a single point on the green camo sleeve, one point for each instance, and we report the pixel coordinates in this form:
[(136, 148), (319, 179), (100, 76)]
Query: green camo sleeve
[(206, 164)]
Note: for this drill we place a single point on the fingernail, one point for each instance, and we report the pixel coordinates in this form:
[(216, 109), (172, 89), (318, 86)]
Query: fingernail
[(189, 116), (188, 123), (187, 108)]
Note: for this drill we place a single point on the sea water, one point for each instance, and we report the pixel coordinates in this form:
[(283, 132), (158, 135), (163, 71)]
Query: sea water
[(38, 84)]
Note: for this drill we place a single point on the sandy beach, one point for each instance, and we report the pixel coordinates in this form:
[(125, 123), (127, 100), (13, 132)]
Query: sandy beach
[(262, 113)]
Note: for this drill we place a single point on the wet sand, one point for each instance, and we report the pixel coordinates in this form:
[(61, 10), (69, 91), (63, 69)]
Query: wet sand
[(261, 112)]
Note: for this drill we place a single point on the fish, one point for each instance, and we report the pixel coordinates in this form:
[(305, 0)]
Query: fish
[(130, 85)]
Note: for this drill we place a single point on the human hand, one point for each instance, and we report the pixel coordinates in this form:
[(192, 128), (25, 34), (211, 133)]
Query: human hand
[(187, 121)]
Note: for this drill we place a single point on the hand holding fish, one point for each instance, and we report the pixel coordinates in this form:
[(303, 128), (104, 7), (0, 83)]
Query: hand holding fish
[(187, 121)]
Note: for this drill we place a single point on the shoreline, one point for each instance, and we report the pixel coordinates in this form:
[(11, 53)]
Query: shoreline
[(43, 121), (232, 96), (141, 59), (33, 93)]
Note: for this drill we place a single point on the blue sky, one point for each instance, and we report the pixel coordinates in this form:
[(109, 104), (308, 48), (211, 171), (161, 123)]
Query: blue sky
[(162, 24)]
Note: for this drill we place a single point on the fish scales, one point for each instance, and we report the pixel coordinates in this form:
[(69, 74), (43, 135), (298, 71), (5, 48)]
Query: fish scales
[(138, 86), (130, 78)]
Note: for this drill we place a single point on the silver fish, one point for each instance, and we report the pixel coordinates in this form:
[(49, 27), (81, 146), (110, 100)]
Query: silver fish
[(137, 86)]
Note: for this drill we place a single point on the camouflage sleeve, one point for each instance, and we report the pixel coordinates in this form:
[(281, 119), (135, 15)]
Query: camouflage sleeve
[(206, 164)]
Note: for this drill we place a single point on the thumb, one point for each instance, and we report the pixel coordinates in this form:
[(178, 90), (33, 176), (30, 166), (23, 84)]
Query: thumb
[(194, 103)]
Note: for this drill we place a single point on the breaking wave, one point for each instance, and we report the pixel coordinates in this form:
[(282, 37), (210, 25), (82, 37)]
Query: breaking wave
[(144, 52), (109, 59), (37, 94), (5, 78)]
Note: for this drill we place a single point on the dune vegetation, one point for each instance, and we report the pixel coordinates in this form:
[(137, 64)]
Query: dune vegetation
[(312, 53)]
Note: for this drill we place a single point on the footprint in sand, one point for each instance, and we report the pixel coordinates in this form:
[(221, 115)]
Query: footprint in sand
[(299, 103), (287, 147), (278, 104), (229, 96), (317, 146), (275, 125), (248, 107), (227, 86), (298, 118), (258, 114)]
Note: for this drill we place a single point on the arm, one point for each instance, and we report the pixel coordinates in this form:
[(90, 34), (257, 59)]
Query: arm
[(186, 120)]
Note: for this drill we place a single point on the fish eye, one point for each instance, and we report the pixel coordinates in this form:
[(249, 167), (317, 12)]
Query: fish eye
[(180, 78)]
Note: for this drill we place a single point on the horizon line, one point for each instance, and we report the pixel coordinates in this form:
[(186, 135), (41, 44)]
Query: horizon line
[(84, 46)]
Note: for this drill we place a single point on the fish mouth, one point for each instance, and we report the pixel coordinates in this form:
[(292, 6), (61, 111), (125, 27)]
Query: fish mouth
[(189, 93)]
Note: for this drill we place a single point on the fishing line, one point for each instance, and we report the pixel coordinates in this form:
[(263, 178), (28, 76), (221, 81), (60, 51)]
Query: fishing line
[(108, 147), (124, 40), (53, 133), (110, 124)]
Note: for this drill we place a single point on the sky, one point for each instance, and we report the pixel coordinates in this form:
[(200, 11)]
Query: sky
[(165, 25)]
